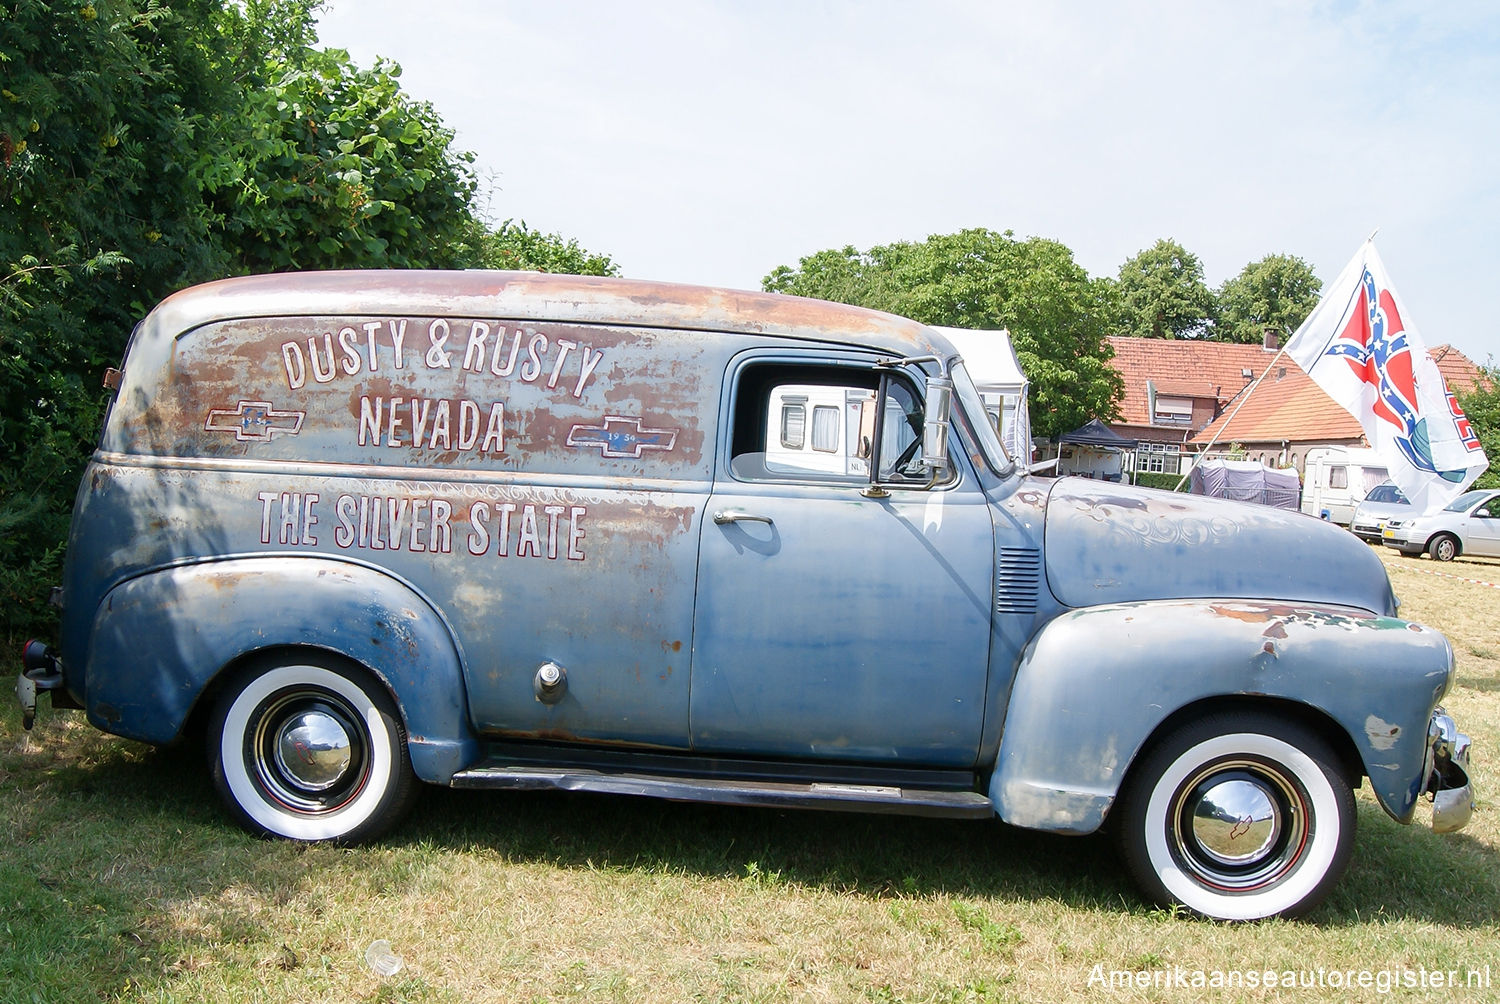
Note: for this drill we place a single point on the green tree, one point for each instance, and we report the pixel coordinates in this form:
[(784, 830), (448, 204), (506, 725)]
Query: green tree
[(101, 109), (514, 245), (146, 146), (335, 167), (1277, 292), (1482, 407), (1162, 294), (1057, 314), (844, 276)]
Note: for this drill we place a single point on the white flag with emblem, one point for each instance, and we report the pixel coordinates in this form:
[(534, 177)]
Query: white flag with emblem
[(1360, 346)]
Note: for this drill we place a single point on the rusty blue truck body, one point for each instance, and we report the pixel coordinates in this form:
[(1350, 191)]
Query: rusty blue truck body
[(511, 530)]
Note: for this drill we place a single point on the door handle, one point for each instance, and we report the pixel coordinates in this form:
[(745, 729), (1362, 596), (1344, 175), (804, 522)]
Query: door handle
[(725, 516)]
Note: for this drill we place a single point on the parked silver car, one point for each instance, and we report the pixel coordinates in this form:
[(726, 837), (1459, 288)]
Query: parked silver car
[(1385, 502), (1470, 524)]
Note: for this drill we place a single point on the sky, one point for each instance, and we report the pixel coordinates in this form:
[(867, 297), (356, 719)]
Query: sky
[(710, 142)]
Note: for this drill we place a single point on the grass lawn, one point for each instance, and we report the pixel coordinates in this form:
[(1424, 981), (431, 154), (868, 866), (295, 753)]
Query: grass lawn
[(122, 880)]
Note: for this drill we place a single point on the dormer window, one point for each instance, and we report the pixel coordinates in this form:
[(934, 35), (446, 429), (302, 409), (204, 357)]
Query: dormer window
[(1173, 410)]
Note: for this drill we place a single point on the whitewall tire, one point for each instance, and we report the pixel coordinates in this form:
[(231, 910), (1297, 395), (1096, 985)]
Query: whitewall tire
[(1238, 817), (309, 749)]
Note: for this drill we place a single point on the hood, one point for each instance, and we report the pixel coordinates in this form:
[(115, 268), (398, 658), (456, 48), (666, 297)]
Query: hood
[(1108, 543)]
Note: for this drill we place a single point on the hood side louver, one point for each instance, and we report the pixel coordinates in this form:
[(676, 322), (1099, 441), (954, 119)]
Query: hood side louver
[(1017, 580)]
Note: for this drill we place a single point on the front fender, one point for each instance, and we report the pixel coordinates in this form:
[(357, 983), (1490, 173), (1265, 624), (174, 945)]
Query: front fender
[(1095, 683), (160, 639)]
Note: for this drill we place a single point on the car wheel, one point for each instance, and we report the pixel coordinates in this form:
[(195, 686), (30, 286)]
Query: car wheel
[(1238, 817), (310, 749), (1443, 547)]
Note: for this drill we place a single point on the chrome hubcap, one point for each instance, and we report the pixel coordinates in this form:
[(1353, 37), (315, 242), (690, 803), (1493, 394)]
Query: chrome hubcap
[(314, 750), (308, 751), (1234, 821), (1239, 825)]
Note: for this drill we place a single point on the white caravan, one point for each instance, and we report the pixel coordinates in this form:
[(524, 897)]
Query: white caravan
[(1337, 478), (816, 428)]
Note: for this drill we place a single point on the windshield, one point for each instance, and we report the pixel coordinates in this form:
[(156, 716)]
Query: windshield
[(977, 420), (1465, 501)]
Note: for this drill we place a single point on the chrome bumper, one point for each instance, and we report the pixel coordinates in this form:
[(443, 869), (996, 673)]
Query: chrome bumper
[(1448, 774)]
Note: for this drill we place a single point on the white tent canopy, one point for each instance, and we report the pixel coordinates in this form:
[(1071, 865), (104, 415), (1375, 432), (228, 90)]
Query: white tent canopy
[(997, 373)]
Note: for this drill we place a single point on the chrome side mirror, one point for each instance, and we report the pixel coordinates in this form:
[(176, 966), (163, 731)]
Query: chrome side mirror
[(937, 407), (865, 448)]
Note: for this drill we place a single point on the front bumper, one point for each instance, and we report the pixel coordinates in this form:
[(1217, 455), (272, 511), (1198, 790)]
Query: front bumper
[(1448, 774), (1399, 537)]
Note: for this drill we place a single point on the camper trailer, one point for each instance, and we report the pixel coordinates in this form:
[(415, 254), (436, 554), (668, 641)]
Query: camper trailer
[(1337, 478), (816, 429)]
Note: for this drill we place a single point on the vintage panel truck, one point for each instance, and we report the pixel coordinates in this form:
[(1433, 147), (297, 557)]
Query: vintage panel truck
[(507, 530)]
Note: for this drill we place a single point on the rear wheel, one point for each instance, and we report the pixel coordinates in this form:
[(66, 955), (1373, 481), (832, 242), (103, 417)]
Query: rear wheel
[(1443, 547), (1238, 817), (309, 749)]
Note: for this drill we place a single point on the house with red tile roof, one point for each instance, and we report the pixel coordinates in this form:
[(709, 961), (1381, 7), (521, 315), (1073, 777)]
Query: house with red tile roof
[(1185, 397)]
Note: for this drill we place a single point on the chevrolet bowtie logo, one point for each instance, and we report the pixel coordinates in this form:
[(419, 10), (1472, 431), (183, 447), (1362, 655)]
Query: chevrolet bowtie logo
[(621, 437), (254, 421)]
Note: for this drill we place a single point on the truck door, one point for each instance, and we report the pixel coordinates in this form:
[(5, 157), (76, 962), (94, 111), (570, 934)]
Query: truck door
[(830, 624)]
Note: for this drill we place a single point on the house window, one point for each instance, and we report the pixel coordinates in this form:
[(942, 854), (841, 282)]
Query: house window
[(1159, 458), (1173, 410)]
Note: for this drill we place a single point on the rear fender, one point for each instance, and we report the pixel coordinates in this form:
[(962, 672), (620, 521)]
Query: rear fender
[(1096, 683), (160, 640)]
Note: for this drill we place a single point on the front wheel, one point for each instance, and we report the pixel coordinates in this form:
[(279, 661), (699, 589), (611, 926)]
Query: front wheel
[(310, 749), (1238, 817), (1444, 547)]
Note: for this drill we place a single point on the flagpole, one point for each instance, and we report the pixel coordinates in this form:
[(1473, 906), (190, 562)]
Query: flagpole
[(1211, 443)]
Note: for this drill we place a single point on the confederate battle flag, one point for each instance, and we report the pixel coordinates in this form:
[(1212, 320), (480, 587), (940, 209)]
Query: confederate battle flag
[(1360, 346)]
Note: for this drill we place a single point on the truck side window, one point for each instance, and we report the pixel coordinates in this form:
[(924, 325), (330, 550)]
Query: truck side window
[(800, 423), (901, 436)]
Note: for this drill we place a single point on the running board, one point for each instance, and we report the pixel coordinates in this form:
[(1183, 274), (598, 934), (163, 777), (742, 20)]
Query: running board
[(734, 791)]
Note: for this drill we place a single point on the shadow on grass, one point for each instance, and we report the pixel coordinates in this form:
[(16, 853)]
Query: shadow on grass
[(108, 838), (868, 855), (1409, 872), (1397, 872)]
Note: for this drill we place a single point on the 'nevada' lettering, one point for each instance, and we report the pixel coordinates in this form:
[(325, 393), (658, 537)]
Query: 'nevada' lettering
[(419, 423)]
